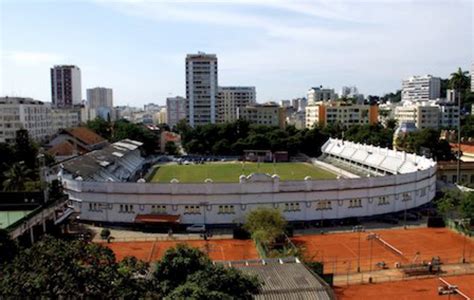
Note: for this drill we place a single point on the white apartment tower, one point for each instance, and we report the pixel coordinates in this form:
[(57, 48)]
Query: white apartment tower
[(421, 88), (201, 88), (317, 94), (24, 113), (66, 90), (175, 110), (230, 98), (100, 97)]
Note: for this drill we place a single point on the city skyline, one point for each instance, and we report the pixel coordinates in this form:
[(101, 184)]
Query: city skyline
[(139, 49)]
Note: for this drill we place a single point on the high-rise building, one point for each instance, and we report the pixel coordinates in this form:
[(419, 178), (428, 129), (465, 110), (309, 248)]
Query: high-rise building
[(99, 97), (230, 98), (421, 88), (66, 90), (317, 94), (24, 113), (175, 110), (201, 88)]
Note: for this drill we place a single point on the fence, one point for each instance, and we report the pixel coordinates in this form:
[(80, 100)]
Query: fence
[(383, 276)]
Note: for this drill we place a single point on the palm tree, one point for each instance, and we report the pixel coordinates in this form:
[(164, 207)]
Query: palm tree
[(16, 177), (459, 81)]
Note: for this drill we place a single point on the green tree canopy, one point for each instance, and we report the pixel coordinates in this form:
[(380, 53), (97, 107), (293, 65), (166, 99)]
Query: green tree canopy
[(187, 273), (265, 224)]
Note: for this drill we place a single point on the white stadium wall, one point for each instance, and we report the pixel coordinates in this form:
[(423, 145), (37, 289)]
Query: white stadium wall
[(227, 203)]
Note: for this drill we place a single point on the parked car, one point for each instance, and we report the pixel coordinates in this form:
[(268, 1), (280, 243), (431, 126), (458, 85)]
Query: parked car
[(196, 228)]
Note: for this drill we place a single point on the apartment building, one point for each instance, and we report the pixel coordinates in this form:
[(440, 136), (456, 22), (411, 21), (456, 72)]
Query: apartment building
[(230, 98), (270, 114), (428, 114), (24, 113), (65, 118), (324, 113), (317, 94), (175, 110), (201, 88), (66, 86), (100, 97), (421, 88)]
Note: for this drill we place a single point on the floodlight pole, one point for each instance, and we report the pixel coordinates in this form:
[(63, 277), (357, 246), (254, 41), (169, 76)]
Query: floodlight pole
[(371, 238), (359, 229)]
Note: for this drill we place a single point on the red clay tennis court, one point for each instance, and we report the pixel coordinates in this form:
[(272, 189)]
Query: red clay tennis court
[(422, 289), (339, 251), (225, 249)]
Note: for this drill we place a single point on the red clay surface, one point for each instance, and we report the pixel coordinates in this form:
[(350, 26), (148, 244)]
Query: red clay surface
[(216, 249), (421, 289), (339, 251)]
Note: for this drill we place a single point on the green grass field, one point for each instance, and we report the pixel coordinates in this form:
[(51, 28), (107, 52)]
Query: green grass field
[(230, 172)]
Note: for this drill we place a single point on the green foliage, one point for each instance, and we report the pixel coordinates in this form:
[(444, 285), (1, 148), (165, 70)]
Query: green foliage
[(234, 138), (101, 127), (315, 266), (455, 203), (25, 149), (187, 273), (376, 135), (8, 249), (424, 140), (105, 233), (16, 177), (170, 148), (393, 97), (265, 225), (467, 128), (53, 268)]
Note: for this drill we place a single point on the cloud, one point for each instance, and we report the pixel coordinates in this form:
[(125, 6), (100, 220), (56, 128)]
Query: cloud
[(33, 58)]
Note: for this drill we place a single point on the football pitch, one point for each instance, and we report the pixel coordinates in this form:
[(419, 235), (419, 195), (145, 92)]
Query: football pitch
[(230, 172)]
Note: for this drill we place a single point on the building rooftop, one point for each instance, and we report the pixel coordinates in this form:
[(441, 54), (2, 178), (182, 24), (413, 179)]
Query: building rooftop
[(85, 135), (285, 279)]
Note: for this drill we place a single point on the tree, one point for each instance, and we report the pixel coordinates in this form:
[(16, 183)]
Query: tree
[(25, 149), (170, 148), (459, 80), (455, 203), (101, 127), (265, 225), (16, 177), (187, 273), (8, 249), (53, 268), (467, 205)]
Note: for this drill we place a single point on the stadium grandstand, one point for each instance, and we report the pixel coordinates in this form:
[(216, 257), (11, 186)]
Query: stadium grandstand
[(118, 162), (370, 160)]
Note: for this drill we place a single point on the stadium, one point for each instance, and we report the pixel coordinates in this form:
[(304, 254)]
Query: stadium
[(348, 180)]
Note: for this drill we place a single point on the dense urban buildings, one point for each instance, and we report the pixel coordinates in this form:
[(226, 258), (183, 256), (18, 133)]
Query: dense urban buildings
[(201, 88), (316, 94), (421, 88), (66, 90), (270, 114), (332, 112), (428, 114), (175, 110), (99, 97), (231, 98), (24, 113)]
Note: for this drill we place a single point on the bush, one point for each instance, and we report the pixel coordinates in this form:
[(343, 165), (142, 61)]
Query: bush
[(105, 233)]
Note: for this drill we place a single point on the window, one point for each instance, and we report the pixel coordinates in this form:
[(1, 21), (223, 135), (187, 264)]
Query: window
[(354, 203), (158, 209), (292, 206), (383, 201), (126, 208), (323, 205), (226, 209), (406, 197), (192, 210)]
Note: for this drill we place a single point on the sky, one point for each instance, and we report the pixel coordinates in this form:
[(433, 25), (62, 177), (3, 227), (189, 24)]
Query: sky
[(282, 47)]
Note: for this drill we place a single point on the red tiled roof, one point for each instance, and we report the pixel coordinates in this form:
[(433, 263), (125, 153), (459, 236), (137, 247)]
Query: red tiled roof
[(465, 148), (154, 218), (62, 149), (85, 135)]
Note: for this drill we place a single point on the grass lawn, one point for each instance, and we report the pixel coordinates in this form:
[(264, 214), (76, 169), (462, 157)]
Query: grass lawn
[(230, 172)]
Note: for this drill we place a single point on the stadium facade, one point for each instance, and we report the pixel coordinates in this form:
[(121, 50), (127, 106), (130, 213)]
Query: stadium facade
[(372, 181)]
